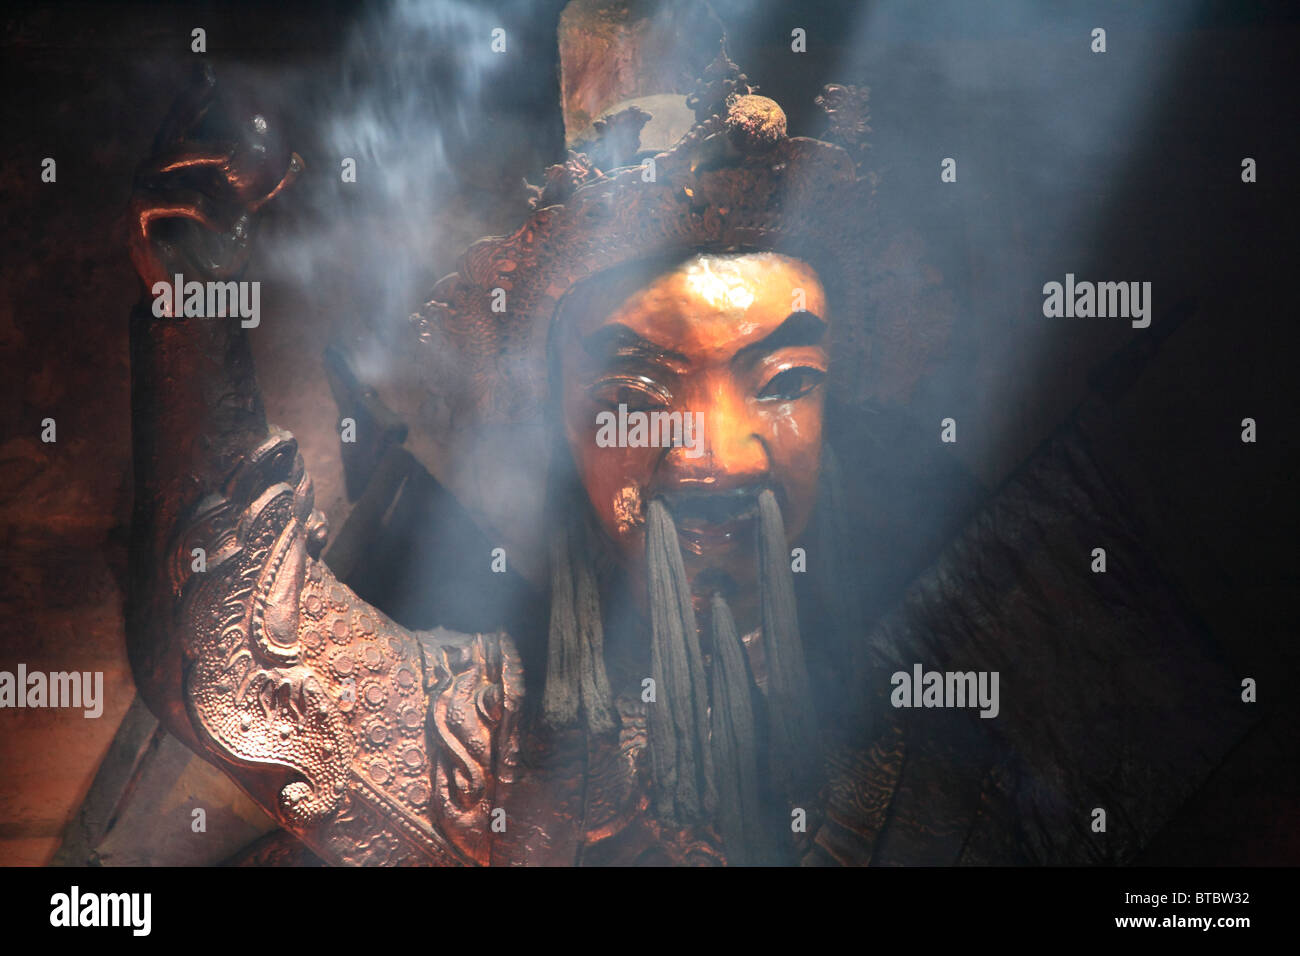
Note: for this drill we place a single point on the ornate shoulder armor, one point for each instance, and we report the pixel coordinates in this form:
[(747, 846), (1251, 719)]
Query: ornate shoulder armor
[(372, 744)]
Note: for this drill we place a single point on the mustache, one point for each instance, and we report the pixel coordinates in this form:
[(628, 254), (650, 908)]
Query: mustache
[(717, 506)]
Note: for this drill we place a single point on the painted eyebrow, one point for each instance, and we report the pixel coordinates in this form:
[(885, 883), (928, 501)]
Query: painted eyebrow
[(616, 341), (799, 328)]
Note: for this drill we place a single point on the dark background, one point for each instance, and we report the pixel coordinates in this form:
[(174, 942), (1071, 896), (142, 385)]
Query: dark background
[(1117, 166)]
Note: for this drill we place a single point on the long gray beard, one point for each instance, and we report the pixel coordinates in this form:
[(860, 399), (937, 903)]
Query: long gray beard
[(693, 768), (576, 682), (677, 726), (734, 743), (792, 720), (704, 761)]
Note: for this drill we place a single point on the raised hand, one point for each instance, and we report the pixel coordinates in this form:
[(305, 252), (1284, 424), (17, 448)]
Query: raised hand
[(217, 160)]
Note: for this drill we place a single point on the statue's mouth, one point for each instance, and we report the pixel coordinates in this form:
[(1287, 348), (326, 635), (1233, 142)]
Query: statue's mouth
[(712, 538), (712, 520)]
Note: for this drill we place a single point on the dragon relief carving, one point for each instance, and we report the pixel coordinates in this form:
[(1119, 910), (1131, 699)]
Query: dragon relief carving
[(409, 737), (247, 691), (475, 683)]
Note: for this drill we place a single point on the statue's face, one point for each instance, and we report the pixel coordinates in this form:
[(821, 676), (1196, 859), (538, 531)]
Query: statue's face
[(736, 343)]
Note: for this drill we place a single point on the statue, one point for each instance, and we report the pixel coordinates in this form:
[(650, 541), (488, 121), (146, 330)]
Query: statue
[(675, 721), (632, 390)]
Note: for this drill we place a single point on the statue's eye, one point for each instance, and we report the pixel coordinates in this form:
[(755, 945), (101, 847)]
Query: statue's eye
[(791, 384), (638, 393)]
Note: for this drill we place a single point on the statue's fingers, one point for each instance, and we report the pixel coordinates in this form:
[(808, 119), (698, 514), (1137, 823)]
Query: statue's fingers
[(296, 166), (150, 206), (219, 250), (154, 171)]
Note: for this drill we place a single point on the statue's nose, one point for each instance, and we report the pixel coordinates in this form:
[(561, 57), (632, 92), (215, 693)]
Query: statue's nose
[(725, 448)]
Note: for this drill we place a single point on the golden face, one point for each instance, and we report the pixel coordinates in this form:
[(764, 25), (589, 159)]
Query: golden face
[(736, 346)]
